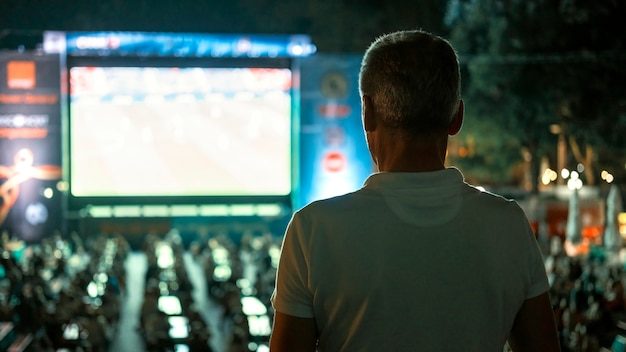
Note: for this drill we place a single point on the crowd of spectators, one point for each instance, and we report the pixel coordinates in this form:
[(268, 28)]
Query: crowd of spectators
[(587, 293), (61, 293), (169, 316), (66, 293), (240, 278)]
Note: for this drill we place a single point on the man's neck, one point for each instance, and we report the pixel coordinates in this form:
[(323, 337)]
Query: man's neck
[(399, 155)]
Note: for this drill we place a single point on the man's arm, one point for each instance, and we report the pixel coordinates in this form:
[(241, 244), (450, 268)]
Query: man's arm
[(534, 328), (293, 334)]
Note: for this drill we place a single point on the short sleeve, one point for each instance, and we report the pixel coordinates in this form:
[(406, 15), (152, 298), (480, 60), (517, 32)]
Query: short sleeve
[(538, 279), (292, 295)]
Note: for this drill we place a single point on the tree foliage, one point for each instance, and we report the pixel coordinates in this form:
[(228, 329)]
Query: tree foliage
[(530, 65)]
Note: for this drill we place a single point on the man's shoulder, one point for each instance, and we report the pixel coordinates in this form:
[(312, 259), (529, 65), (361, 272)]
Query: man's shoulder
[(488, 201), (343, 201)]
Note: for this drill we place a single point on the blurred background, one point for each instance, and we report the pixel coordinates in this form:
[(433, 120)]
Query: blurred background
[(152, 153)]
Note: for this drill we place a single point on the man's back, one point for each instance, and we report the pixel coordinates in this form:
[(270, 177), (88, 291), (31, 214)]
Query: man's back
[(417, 260), (413, 260)]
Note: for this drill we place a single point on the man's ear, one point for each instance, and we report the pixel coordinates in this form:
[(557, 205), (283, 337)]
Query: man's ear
[(457, 119), (368, 113)]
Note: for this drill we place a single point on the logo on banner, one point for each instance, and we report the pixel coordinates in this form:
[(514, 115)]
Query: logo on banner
[(98, 42), (332, 110), (24, 126), (334, 162), (21, 75), (334, 85), (15, 175), (36, 214), (334, 136)]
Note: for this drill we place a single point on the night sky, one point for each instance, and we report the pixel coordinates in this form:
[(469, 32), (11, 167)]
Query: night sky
[(334, 25)]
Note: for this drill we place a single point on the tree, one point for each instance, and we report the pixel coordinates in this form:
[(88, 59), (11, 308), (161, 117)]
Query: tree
[(534, 64)]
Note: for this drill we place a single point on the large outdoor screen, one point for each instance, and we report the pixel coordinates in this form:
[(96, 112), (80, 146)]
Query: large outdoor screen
[(180, 131)]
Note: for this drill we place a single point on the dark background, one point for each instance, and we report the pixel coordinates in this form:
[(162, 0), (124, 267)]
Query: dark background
[(528, 65), (334, 25)]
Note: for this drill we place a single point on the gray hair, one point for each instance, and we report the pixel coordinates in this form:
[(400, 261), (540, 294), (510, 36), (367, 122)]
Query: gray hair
[(414, 81)]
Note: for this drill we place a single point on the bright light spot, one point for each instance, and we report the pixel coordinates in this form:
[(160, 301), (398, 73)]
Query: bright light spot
[(553, 175), (63, 186), (48, 192), (574, 175), (253, 306), (481, 188), (274, 252), (555, 128), (574, 183), (607, 176), (297, 50), (545, 179), (163, 288), (165, 256), (220, 255), (548, 176), (101, 277), (604, 174), (244, 283), (174, 286), (169, 305), (268, 210), (259, 325), (580, 167), (92, 289), (222, 273), (565, 173), (179, 327)]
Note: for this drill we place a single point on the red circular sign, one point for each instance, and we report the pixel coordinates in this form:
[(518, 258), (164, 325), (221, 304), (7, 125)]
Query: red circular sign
[(334, 162)]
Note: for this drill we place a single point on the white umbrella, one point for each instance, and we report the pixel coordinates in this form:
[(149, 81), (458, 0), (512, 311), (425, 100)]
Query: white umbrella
[(573, 232), (612, 239)]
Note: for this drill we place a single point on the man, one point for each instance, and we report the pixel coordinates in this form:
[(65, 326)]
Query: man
[(416, 260)]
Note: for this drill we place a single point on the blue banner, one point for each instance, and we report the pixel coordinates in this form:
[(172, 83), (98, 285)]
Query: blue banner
[(179, 44), (334, 158)]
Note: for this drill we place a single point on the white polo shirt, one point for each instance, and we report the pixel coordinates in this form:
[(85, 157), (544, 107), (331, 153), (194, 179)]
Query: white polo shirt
[(410, 262)]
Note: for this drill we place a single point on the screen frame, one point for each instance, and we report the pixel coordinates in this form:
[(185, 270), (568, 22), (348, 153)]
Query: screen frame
[(75, 202)]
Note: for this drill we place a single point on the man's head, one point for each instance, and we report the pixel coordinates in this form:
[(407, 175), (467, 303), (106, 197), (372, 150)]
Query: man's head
[(411, 80)]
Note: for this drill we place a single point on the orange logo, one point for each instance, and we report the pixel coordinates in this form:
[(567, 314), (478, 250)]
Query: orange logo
[(21, 75)]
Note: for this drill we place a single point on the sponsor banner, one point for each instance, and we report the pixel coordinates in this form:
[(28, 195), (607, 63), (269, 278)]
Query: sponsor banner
[(180, 44), (30, 145), (334, 158)]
